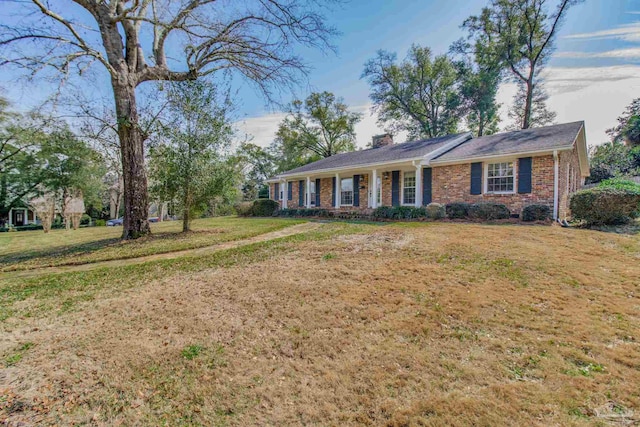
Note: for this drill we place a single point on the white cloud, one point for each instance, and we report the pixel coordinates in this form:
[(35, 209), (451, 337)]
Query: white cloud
[(596, 95), (629, 54), (626, 32)]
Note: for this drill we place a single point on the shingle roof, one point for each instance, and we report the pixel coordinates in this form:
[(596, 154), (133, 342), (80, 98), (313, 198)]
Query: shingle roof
[(390, 153), (520, 141)]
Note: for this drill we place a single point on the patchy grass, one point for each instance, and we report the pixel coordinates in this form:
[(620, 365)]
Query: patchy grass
[(352, 324), (33, 249)]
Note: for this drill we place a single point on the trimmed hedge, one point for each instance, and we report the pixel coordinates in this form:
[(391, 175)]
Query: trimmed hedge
[(536, 213), (620, 184), (399, 212), (488, 211), (435, 211), (264, 207), (302, 212), (244, 208), (457, 210), (606, 205)]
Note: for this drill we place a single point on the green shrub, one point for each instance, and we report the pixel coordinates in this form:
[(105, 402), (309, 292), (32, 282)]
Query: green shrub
[(399, 212), (536, 213), (28, 227), (620, 184), (457, 210), (302, 212), (85, 219), (100, 222), (605, 205), (488, 211), (244, 208), (435, 211), (265, 207)]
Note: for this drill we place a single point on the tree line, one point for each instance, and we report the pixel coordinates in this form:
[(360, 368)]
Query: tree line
[(425, 95)]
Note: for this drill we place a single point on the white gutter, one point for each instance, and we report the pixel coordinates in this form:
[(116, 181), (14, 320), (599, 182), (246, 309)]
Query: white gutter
[(555, 185)]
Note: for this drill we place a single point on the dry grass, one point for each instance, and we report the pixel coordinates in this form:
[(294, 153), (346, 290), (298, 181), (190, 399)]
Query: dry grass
[(415, 324), (34, 249)]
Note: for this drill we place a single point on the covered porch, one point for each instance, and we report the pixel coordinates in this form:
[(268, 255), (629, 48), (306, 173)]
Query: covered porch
[(406, 183), (21, 216)]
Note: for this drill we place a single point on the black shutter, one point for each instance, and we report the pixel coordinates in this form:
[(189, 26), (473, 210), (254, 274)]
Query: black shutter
[(318, 193), (476, 178), (356, 190), (290, 190), (426, 186), (277, 191), (395, 188), (333, 193), (301, 193), (524, 175)]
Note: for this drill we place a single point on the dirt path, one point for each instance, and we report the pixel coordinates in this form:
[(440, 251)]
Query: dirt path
[(285, 232)]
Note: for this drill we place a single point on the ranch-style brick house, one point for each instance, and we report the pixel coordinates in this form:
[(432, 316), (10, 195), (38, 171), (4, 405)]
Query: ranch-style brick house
[(532, 166)]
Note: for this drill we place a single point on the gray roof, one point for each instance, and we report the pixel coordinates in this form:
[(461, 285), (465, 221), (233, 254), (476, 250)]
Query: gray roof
[(390, 153), (520, 141)]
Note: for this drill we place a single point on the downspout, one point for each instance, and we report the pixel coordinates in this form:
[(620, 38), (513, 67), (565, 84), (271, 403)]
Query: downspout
[(555, 185)]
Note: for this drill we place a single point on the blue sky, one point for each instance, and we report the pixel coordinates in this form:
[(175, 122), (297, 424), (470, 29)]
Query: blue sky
[(594, 74)]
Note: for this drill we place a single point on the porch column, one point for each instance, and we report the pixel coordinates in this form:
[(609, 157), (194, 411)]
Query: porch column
[(11, 216), (336, 202), (308, 190), (374, 185), (418, 185), (284, 189), (26, 216)]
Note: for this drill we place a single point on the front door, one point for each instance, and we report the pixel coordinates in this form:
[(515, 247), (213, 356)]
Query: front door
[(18, 218)]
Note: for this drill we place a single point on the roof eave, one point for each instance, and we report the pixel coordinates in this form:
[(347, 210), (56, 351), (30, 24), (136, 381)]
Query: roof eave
[(471, 159)]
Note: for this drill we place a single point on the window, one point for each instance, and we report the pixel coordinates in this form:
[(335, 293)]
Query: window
[(500, 177), (379, 192), (346, 192), (409, 188), (312, 193)]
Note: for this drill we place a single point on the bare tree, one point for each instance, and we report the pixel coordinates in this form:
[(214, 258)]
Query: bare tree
[(131, 39)]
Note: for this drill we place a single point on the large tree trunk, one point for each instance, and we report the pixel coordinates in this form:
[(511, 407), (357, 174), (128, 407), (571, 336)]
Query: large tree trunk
[(526, 120), (134, 175)]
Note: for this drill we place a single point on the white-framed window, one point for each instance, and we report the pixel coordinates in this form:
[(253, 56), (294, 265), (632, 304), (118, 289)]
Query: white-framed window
[(346, 192), (500, 177), (379, 191), (312, 193), (409, 188)]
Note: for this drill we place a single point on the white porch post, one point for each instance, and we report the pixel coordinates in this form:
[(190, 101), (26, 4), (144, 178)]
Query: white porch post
[(336, 203), (418, 185), (26, 216), (308, 188), (285, 194), (11, 216), (374, 185)]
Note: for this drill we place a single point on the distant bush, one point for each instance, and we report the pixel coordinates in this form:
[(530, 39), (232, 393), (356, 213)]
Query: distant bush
[(457, 210), (100, 222), (244, 208), (435, 211), (85, 220), (264, 207), (399, 212), (536, 213), (605, 205), (488, 211), (620, 184)]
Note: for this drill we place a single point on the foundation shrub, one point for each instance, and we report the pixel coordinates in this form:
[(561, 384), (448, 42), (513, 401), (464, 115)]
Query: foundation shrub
[(435, 211), (457, 210), (536, 213), (488, 211)]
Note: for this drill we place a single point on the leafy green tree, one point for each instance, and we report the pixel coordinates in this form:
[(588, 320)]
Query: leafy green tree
[(520, 35), (628, 127), (478, 89), (258, 166), (613, 159), (189, 167), (419, 95), (315, 128)]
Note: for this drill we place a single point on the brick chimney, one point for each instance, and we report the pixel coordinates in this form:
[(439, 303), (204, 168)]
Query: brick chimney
[(381, 140)]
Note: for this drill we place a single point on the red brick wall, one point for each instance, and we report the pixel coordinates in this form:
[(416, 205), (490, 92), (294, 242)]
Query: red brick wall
[(452, 184)]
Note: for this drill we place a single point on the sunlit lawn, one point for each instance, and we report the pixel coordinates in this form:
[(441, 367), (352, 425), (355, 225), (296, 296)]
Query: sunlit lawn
[(29, 249)]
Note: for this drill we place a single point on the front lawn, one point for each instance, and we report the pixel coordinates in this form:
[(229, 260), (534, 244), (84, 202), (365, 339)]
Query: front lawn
[(350, 324), (31, 249)]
